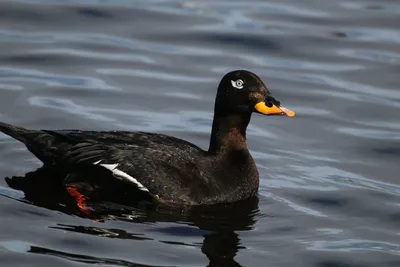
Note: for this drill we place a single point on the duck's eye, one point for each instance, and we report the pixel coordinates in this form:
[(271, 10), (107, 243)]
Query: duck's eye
[(237, 84)]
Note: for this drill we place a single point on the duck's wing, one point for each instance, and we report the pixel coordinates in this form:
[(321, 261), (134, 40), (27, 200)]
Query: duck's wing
[(161, 171), (115, 158)]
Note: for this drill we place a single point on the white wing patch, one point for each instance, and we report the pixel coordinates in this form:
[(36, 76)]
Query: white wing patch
[(122, 175), (111, 167)]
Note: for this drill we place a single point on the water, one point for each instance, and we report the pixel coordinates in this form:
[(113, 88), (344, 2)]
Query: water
[(329, 190)]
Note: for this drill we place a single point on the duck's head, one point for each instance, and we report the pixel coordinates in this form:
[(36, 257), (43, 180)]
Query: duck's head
[(243, 92)]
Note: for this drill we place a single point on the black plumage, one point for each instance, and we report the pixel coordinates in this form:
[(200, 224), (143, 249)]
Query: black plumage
[(131, 166)]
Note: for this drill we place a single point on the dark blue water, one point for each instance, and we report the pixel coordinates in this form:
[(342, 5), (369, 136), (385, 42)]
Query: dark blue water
[(330, 186)]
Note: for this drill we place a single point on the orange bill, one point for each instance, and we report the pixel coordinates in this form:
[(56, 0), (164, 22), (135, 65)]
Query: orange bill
[(274, 110)]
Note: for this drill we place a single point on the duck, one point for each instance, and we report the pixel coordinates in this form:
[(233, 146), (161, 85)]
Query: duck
[(130, 167)]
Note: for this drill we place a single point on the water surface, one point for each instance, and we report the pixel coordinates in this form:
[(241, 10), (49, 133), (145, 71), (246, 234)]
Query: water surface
[(329, 178)]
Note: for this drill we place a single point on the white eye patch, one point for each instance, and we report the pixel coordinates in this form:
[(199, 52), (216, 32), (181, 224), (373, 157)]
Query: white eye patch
[(237, 84)]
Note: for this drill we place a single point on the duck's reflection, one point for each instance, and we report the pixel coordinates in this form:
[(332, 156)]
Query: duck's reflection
[(218, 224)]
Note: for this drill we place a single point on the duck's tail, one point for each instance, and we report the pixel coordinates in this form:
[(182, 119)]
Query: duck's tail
[(40, 143), (15, 132)]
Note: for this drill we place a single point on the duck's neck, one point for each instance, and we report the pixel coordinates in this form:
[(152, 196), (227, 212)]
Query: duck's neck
[(229, 132)]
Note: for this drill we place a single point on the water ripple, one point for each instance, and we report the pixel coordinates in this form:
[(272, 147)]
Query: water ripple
[(354, 244), (8, 74)]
